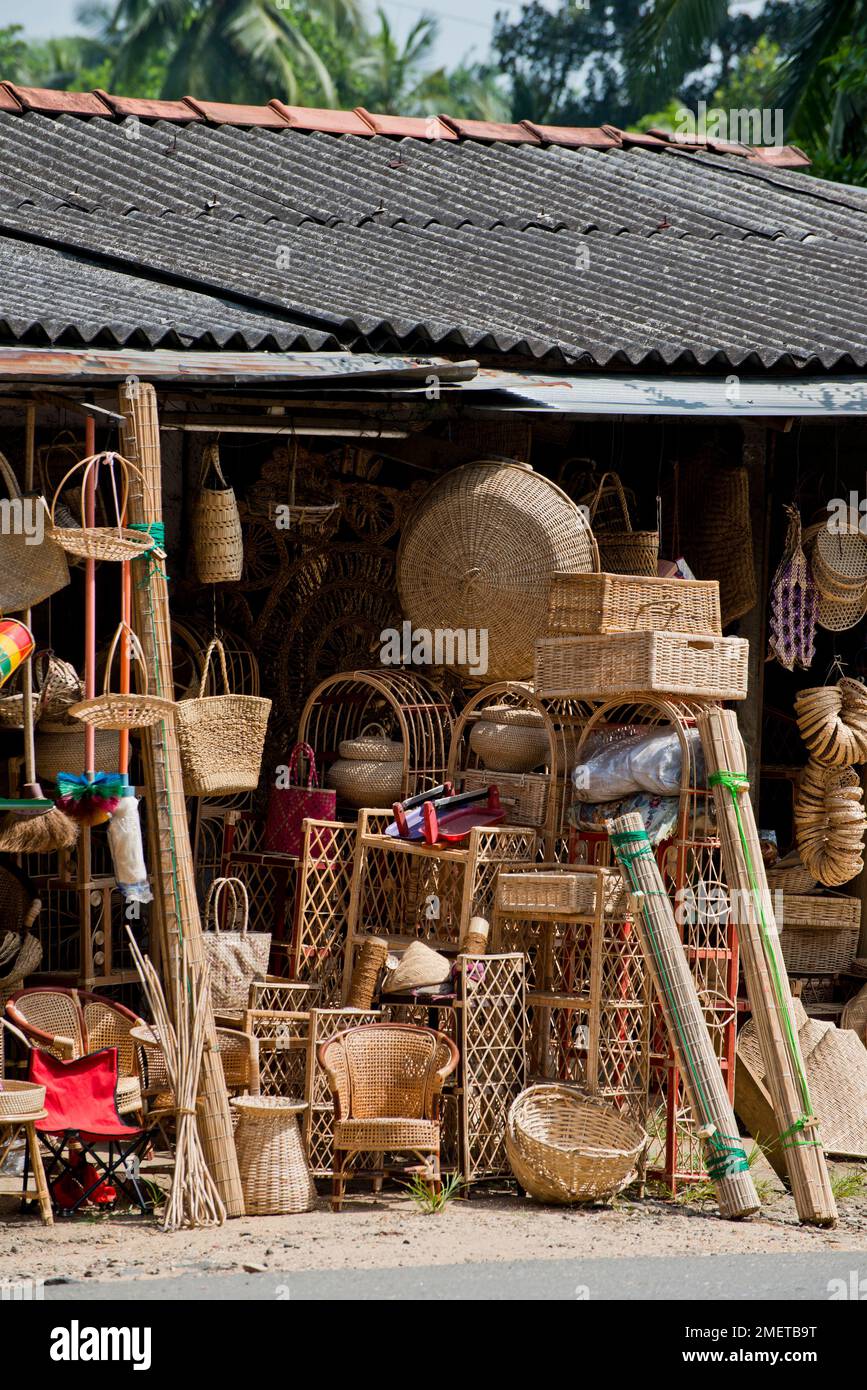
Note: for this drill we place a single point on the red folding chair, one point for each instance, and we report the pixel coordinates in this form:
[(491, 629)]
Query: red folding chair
[(82, 1112)]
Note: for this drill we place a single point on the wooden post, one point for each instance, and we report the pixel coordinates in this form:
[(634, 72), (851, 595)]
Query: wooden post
[(753, 625), (177, 910)]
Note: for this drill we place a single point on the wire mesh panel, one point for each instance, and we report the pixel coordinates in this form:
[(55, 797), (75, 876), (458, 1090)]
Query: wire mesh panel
[(319, 1116), (322, 905), (493, 1048)]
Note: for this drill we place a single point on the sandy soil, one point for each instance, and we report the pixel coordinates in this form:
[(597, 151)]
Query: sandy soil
[(390, 1231)]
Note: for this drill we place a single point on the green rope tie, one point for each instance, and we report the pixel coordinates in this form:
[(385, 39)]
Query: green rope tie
[(725, 1160), (735, 782), (157, 552), (798, 1127)]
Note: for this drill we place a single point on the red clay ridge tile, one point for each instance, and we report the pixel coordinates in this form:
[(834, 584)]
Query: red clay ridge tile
[(8, 101), (227, 113), (53, 103), (147, 109), (415, 127), (640, 139), (781, 156), (499, 131), (320, 118), (575, 136)]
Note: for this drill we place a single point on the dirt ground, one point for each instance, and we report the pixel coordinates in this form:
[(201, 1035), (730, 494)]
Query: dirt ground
[(390, 1231)]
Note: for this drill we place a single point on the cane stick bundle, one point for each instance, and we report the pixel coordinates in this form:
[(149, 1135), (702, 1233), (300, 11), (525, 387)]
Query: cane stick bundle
[(764, 968), (194, 1199), (725, 1159)]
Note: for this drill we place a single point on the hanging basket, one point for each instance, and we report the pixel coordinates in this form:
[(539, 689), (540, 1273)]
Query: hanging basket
[(218, 541), (12, 706), (623, 551), (124, 710), (116, 543), (221, 737), (28, 573)]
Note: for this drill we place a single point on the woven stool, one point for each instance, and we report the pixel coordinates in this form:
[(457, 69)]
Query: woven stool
[(271, 1158)]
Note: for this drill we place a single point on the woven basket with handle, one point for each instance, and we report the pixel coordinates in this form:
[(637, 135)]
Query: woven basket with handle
[(218, 541), (235, 956), (28, 573), (116, 542), (623, 551), (221, 737), (112, 710)]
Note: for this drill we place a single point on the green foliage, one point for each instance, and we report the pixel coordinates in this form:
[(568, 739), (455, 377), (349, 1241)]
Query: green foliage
[(430, 1202), (14, 54), (846, 1185)]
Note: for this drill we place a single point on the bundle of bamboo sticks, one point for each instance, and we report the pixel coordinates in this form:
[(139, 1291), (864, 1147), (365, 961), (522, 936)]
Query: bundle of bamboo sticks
[(194, 1199), (725, 1159), (764, 968)]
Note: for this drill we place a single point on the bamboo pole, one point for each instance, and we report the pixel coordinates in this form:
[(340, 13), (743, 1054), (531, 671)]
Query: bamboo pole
[(712, 1112), (764, 968), (178, 921)]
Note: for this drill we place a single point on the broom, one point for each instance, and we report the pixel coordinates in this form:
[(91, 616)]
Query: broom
[(33, 825)]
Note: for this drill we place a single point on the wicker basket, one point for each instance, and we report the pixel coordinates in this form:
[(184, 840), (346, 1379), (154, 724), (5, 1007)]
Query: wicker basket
[(477, 554), (101, 542), (658, 663), (273, 1167), (565, 1147), (568, 890), (587, 604), (374, 784), (819, 934), (12, 707), (59, 685), (218, 541), (19, 1099), (528, 793), (623, 551), (124, 711), (60, 748), (221, 737), (509, 747), (28, 573), (371, 746)]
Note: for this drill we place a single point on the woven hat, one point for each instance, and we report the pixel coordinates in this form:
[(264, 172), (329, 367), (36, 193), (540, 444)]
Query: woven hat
[(418, 966)]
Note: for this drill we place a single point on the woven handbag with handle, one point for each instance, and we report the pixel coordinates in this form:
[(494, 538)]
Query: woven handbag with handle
[(221, 737), (218, 542), (623, 551), (235, 957), (123, 710), (29, 572), (289, 807)]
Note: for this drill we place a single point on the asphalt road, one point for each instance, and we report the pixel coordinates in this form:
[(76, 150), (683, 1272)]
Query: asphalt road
[(799, 1277)]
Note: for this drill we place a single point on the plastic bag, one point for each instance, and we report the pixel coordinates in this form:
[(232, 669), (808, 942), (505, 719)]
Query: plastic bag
[(651, 763)]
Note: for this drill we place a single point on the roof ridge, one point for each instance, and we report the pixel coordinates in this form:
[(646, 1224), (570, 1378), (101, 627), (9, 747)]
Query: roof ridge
[(278, 115)]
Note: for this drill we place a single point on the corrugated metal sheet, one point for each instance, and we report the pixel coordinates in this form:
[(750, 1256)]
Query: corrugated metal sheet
[(372, 243)]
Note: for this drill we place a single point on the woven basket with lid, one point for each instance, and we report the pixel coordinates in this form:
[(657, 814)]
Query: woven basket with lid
[(478, 552)]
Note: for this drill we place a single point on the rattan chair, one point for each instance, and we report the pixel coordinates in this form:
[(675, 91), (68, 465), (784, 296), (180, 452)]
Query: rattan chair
[(386, 1080), (71, 1023)]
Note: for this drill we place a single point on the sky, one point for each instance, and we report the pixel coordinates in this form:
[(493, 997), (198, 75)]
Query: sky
[(464, 25)]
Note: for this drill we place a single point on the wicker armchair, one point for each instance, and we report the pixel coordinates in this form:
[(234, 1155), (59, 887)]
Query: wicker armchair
[(72, 1023), (386, 1080)]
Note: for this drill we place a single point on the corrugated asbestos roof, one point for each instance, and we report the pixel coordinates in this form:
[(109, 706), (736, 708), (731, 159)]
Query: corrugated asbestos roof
[(197, 232)]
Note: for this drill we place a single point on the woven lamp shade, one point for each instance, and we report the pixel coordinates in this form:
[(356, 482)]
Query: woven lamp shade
[(478, 552)]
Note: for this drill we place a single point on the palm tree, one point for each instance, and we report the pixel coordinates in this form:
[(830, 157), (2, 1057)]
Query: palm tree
[(818, 108), (392, 74), (225, 50)]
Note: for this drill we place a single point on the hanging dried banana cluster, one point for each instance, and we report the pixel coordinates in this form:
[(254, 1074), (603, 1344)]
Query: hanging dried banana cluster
[(829, 816)]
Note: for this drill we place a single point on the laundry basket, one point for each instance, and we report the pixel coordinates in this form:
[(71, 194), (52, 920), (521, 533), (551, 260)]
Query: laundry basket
[(566, 1147)]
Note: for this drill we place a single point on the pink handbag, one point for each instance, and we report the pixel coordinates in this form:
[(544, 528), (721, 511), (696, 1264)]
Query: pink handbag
[(289, 806)]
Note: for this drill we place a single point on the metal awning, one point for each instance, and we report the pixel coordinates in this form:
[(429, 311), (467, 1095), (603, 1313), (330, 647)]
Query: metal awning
[(673, 395)]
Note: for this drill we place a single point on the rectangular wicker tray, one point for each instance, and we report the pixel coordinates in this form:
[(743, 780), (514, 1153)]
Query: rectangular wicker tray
[(561, 891), (589, 604), (633, 663), (815, 911)]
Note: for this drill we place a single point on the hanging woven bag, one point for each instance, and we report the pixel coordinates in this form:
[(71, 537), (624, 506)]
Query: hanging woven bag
[(794, 603), (289, 807), (218, 542), (221, 737), (235, 957), (622, 550), (32, 566)]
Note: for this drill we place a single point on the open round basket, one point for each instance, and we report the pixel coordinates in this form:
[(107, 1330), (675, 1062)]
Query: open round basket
[(476, 558), (566, 1147)]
